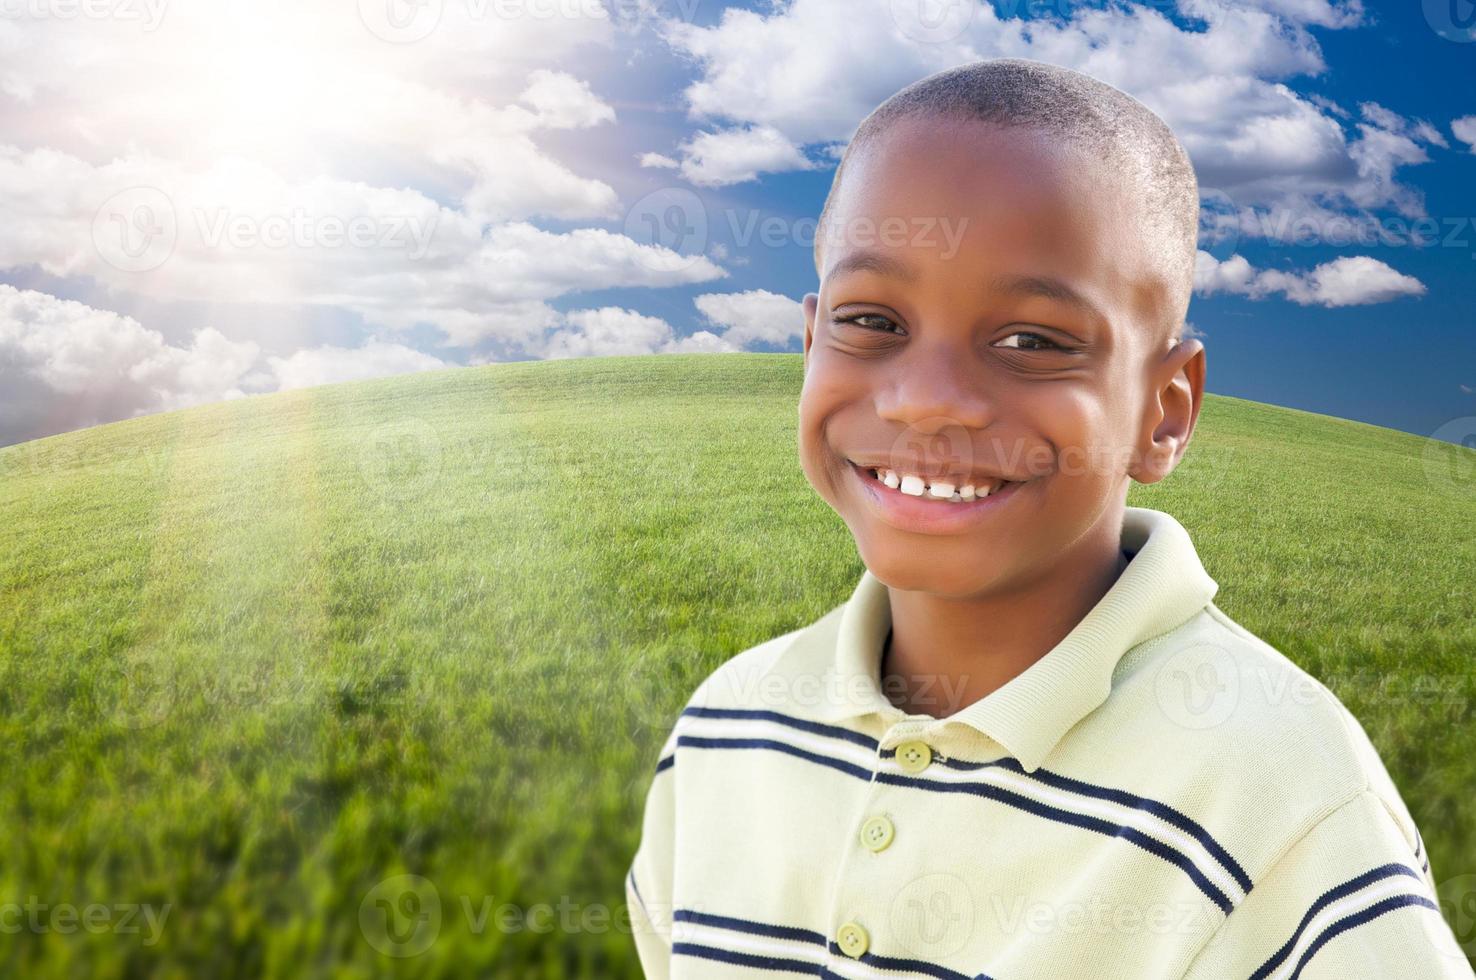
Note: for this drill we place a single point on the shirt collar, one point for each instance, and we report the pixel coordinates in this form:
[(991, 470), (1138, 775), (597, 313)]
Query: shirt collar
[(1162, 587)]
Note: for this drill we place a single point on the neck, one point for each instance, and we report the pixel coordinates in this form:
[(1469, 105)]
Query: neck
[(944, 652)]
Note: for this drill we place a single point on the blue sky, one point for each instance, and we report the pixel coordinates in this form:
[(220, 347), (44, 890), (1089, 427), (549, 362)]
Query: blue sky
[(206, 199)]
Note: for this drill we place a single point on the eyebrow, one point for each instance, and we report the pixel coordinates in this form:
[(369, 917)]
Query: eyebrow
[(877, 262), (1046, 287)]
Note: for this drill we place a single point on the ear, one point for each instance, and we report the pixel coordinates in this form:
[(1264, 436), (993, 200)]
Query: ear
[(1176, 390), (811, 302)]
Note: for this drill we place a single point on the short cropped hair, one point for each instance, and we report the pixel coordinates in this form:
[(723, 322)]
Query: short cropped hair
[(1105, 122)]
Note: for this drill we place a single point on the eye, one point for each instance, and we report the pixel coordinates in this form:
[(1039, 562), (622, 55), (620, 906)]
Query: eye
[(857, 318), (1028, 340)]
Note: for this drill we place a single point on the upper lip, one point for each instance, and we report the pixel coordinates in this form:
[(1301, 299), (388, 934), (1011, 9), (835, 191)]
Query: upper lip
[(944, 473)]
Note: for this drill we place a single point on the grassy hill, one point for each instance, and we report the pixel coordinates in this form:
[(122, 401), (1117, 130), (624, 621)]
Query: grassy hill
[(258, 657)]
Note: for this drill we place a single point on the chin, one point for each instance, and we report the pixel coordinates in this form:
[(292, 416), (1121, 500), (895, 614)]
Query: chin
[(933, 565)]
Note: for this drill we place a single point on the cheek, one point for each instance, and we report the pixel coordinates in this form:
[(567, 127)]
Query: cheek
[(821, 400), (813, 409), (1085, 435)]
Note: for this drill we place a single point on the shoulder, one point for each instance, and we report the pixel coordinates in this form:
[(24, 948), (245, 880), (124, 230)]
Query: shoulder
[(1259, 745)]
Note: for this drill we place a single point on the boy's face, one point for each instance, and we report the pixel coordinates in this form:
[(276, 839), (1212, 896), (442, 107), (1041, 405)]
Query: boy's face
[(1012, 326)]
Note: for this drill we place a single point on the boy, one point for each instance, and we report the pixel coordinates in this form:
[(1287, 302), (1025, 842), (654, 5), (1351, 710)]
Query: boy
[(1029, 745)]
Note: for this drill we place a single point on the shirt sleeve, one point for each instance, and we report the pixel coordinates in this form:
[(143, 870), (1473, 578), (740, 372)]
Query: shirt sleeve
[(1352, 898), (648, 883)]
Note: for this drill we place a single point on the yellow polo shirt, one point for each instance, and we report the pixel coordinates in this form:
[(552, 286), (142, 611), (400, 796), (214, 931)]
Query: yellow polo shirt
[(1162, 795)]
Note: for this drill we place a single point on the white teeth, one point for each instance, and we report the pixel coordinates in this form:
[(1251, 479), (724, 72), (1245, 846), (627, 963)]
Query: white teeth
[(916, 486)]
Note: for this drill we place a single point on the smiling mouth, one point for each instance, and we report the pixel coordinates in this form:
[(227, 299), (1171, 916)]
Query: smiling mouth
[(949, 489)]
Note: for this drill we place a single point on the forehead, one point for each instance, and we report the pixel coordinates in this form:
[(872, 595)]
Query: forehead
[(1019, 203)]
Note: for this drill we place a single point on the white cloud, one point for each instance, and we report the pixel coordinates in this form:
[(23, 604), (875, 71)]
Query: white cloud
[(65, 364), (611, 330), (330, 365), (212, 368), (308, 88), (1318, 12), (1348, 281), (658, 160), (608, 330), (1464, 129), (243, 233), (701, 342), (564, 102), (797, 69), (1327, 105), (735, 155), (1223, 87), (756, 315)]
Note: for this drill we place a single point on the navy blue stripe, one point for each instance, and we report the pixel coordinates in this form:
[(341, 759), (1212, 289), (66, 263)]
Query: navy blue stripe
[(796, 934), (911, 965), (1105, 827), (1357, 919), (1131, 800), (702, 742), (1122, 797), (814, 727), (735, 924), (1149, 844), (1160, 810), (1326, 899), (753, 960), (636, 888), (666, 763)]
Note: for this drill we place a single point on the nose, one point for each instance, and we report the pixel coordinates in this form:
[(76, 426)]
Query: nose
[(933, 388)]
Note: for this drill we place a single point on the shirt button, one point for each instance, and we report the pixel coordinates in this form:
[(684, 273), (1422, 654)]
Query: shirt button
[(876, 833), (852, 940), (914, 756)]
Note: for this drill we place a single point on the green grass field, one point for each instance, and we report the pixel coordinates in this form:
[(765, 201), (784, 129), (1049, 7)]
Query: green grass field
[(258, 657)]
